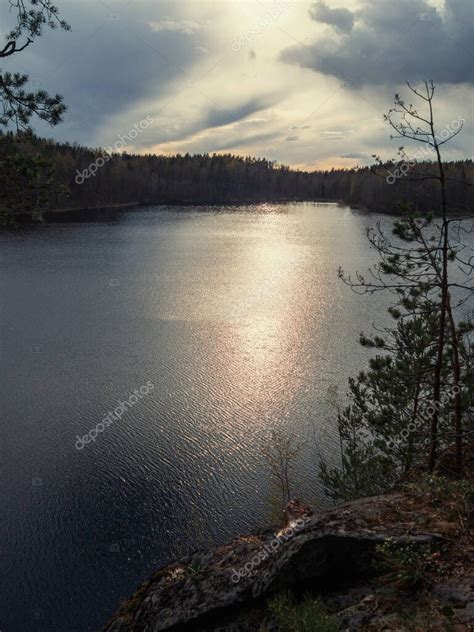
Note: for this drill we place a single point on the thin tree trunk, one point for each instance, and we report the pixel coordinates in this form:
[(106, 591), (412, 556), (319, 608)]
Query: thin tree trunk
[(444, 304), (457, 398), (437, 390)]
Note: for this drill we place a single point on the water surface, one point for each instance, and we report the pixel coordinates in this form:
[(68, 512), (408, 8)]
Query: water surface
[(235, 315)]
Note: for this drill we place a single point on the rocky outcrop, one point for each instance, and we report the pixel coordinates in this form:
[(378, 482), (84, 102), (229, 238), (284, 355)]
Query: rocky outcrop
[(222, 589)]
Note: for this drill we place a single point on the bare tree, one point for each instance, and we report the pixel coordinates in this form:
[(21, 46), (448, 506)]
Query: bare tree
[(280, 453), (416, 268)]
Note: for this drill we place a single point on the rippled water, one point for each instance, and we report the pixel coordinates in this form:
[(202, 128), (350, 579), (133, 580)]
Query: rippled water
[(235, 315)]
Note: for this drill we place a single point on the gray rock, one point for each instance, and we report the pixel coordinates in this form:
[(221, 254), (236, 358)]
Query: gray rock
[(332, 548)]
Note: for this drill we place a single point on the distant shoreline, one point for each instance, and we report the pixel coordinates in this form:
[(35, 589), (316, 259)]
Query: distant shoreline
[(109, 211)]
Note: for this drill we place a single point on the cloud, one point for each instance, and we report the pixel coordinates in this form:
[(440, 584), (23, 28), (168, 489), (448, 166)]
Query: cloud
[(341, 19), (218, 117), (354, 155), (115, 69), (391, 42), (104, 67), (212, 128), (337, 135), (187, 27), (213, 142)]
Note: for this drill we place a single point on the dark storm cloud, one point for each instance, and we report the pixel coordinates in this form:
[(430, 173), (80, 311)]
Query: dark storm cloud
[(391, 42), (218, 117), (107, 63), (341, 19), (211, 119)]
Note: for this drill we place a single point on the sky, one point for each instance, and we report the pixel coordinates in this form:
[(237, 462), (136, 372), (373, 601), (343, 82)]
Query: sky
[(303, 83)]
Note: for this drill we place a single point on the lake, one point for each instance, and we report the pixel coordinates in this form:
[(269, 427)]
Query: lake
[(236, 320)]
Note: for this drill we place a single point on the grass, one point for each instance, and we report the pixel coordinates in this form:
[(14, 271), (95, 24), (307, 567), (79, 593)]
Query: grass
[(307, 615)]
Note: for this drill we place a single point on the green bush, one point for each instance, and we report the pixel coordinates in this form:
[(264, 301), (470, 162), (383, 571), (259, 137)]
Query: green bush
[(306, 616), (437, 489), (406, 563)]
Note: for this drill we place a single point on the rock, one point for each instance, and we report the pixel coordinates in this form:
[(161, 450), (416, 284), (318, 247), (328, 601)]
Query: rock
[(331, 549), (454, 593), (295, 510), (353, 618)]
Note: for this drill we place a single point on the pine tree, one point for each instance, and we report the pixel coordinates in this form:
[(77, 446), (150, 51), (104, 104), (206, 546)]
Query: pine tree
[(415, 399), (25, 175)]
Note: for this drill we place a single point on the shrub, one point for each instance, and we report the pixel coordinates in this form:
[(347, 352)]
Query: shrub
[(406, 564), (308, 615)]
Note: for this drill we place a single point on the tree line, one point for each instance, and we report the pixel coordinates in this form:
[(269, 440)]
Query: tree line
[(79, 177)]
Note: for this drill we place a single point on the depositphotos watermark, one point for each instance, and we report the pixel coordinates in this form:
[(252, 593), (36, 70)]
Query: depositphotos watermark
[(123, 141), (270, 17), (116, 415), (269, 549), (425, 415), (423, 153)]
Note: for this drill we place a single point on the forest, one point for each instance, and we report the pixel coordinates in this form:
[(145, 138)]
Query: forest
[(67, 175)]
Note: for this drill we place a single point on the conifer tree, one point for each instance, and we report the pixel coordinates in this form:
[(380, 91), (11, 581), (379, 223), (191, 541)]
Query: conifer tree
[(415, 399), (25, 176)]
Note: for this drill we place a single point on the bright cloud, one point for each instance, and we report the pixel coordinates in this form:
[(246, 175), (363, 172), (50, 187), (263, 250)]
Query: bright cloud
[(301, 82), (187, 27)]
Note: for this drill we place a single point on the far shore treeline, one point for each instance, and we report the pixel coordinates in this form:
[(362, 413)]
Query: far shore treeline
[(123, 178)]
